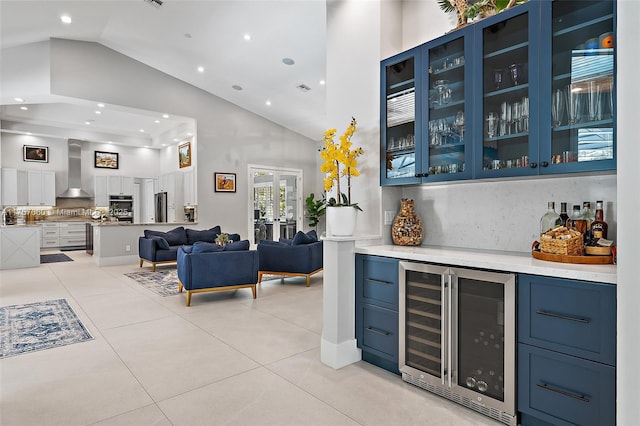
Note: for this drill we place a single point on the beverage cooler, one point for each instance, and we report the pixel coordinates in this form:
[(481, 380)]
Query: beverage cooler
[(457, 336)]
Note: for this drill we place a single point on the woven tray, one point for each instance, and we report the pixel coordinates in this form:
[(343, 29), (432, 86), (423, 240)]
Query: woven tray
[(563, 258)]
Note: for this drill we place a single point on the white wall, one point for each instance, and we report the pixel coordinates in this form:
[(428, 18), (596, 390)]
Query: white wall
[(228, 137)]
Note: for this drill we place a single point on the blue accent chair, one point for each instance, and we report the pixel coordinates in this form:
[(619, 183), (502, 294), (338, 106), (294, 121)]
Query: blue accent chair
[(217, 270), (301, 256)]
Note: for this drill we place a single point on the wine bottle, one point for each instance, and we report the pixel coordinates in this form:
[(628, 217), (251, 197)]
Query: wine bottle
[(563, 213), (551, 219), (599, 226), (576, 221), (589, 216)]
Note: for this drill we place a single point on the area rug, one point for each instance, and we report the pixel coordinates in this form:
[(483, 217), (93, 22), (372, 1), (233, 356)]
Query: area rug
[(37, 326), (163, 283), (55, 257)]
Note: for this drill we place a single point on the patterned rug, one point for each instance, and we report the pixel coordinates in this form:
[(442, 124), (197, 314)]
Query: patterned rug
[(163, 283), (37, 326), (55, 257)]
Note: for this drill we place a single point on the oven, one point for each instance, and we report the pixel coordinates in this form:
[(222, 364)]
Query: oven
[(457, 336), (122, 206)]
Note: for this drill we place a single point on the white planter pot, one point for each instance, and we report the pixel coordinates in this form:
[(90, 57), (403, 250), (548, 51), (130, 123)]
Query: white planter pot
[(341, 221)]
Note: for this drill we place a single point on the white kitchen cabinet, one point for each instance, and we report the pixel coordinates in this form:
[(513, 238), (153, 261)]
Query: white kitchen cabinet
[(41, 188), (9, 187), (72, 234), (50, 235), (189, 189), (120, 185), (101, 196)]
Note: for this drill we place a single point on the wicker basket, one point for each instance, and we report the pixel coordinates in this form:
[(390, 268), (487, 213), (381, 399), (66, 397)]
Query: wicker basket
[(572, 246)]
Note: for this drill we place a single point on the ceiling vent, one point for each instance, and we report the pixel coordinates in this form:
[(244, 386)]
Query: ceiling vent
[(303, 88), (154, 3)]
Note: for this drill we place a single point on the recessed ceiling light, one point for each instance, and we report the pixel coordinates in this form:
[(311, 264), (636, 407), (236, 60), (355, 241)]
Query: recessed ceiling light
[(268, 103), (288, 61), (236, 87), (164, 144), (157, 121), (109, 142), (189, 134), (101, 105), (141, 130), (200, 69), (88, 122), (322, 82), (176, 140), (247, 37), (28, 133), (24, 108), (165, 115), (66, 19), (146, 146), (98, 112), (18, 99)]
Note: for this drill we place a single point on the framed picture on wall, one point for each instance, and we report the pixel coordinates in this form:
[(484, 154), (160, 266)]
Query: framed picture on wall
[(38, 154), (106, 160), (224, 182), (184, 154)]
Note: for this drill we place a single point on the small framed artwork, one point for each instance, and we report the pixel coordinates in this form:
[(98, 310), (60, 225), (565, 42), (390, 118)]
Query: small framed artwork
[(224, 182), (184, 154), (106, 160), (39, 154)]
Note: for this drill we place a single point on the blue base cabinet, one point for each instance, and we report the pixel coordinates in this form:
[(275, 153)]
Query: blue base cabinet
[(566, 351), (377, 310)]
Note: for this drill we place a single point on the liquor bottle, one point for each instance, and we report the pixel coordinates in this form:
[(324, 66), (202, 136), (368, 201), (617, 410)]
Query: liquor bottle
[(589, 216), (551, 219), (599, 226), (576, 221), (563, 213)]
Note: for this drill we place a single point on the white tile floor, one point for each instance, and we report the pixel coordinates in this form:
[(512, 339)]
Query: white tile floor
[(228, 359)]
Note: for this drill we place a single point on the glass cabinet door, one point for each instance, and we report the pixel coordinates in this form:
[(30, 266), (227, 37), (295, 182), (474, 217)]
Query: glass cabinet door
[(447, 115), (507, 81), (399, 126), (581, 99)]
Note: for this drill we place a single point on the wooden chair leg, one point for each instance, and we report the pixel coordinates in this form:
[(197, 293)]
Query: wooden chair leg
[(141, 263), (179, 286), (259, 278), (153, 267), (253, 290), (308, 280), (188, 297)]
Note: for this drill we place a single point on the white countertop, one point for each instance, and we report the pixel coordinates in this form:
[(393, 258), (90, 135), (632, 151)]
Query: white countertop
[(496, 260)]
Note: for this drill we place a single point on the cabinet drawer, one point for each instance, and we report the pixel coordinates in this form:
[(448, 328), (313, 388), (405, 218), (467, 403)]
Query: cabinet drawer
[(379, 332), (379, 279), (73, 241), (574, 317), (50, 242), (50, 232), (564, 390)]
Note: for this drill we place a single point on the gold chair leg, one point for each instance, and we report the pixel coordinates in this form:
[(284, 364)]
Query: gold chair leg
[(308, 280), (253, 290), (188, 297), (153, 267), (179, 286), (141, 263)]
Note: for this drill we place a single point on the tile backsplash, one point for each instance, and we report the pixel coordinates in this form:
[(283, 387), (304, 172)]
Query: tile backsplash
[(502, 215)]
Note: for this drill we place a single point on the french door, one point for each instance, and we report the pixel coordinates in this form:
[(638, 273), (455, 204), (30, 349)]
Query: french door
[(275, 203)]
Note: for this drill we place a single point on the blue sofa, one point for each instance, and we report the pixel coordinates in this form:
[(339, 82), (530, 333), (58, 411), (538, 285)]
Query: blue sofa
[(157, 247), (228, 268), (300, 256)]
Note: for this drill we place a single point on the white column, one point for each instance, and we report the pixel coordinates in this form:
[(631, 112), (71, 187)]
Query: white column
[(338, 346)]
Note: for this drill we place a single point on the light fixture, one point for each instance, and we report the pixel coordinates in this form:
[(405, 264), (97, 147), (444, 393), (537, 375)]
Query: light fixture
[(157, 121), (24, 108), (189, 134), (101, 105), (165, 115), (109, 142), (98, 112), (268, 103), (247, 37), (18, 99), (322, 82), (66, 19), (176, 140), (288, 61), (28, 133), (201, 69), (88, 122), (141, 130)]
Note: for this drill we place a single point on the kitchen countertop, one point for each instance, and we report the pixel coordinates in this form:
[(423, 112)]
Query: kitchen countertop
[(522, 263)]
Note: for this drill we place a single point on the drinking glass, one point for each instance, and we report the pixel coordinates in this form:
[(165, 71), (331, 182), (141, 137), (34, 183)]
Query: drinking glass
[(492, 124), (593, 101), (525, 114), (557, 108), (498, 74), (515, 72), (504, 119), (459, 123), (574, 104)]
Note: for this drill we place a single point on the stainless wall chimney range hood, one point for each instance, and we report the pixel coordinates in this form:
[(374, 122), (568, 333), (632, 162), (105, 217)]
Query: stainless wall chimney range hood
[(74, 189)]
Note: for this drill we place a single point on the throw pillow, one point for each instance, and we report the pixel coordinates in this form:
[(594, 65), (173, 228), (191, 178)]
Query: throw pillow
[(301, 238), (234, 237), (176, 236), (313, 234), (284, 241), (160, 242), (201, 247), (237, 246), (207, 236)]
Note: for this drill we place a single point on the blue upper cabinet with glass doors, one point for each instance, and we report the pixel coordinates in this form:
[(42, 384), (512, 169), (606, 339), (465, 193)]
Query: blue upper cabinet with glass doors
[(400, 123), (506, 101), (446, 108), (577, 111), (528, 91)]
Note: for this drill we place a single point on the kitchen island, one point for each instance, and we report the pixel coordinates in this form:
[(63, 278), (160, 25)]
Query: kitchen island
[(19, 246)]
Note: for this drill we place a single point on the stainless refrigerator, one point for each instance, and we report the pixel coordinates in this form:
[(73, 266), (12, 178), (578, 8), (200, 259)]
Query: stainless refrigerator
[(161, 206)]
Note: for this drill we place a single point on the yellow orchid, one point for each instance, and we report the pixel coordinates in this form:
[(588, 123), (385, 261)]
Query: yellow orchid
[(336, 154)]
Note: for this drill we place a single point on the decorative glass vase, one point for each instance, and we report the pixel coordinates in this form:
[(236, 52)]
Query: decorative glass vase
[(407, 228), (341, 221)]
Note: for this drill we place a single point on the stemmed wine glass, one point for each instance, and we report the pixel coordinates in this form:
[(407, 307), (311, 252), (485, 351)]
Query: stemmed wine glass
[(492, 124), (459, 123)]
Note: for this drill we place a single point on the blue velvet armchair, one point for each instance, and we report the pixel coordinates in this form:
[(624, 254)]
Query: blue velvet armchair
[(217, 270), (301, 256)]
